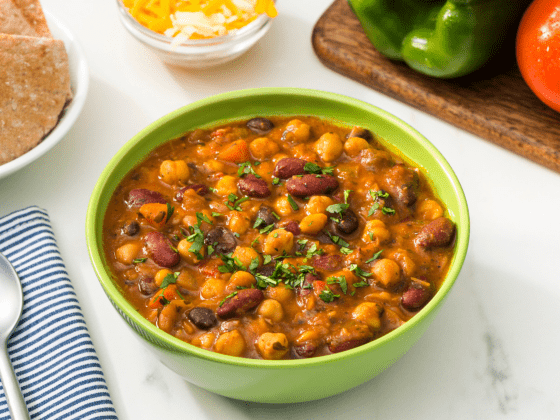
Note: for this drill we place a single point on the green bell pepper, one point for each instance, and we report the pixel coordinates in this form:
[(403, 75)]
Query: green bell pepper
[(440, 38)]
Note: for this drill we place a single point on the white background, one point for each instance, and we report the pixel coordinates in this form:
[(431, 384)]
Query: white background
[(492, 352)]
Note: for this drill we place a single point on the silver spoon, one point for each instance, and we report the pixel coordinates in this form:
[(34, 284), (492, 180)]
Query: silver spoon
[(11, 305)]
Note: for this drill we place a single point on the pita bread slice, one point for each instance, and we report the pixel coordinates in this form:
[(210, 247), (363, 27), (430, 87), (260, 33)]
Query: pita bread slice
[(34, 90), (23, 17)]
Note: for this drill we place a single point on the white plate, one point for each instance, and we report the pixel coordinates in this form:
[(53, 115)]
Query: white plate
[(79, 80)]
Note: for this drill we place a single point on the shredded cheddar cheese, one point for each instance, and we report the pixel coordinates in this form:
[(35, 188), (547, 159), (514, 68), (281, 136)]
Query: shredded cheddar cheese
[(197, 19)]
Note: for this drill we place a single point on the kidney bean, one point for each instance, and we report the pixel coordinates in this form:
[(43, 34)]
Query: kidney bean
[(203, 318), (260, 125), (437, 233), (221, 239), (310, 184), (131, 228), (416, 296), (403, 184), (147, 286), (327, 262), (140, 196), (253, 187), (348, 224), (161, 249), (305, 350), (289, 167), (200, 189), (266, 214), (243, 301), (293, 227), (361, 132)]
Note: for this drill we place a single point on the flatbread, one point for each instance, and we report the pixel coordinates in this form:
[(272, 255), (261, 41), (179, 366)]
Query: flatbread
[(34, 89), (23, 17)]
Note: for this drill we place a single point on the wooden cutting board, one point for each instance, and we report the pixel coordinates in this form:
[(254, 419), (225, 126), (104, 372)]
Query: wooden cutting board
[(493, 103)]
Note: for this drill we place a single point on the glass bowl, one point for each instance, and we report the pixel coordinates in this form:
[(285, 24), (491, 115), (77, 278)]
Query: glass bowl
[(198, 53)]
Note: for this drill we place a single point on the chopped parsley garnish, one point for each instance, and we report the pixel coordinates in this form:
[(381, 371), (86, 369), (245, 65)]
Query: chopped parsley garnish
[(375, 256), (170, 210), (197, 237), (216, 214), (139, 260), (275, 181), (339, 208), (171, 278), (260, 222), (227, 297), (338, 240), (346, 251), (313, 168), (341, 281), (327, 295), (245, 168), (376, 195), (292, 202), (255, 241), (234, 202), (359, 272), (253, 265), (231, 264)]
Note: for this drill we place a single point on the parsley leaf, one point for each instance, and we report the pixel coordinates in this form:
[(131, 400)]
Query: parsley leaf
[(293, 204), (139, 260), (313, 168), (170, 210), (171, 278), (375, 256), (327, 295), (245, 168), (226, 298), (234, 202), (359, 272), (341, 281)]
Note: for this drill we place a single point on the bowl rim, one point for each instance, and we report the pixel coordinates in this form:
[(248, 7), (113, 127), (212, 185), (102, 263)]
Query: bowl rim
[(161, 41), (176, 345), (79, 76)]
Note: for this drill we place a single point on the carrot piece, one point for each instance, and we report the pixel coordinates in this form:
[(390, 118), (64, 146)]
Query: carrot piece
[(236, 152)]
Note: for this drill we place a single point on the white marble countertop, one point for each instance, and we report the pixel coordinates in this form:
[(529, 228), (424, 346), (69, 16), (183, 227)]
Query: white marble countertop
[(491, 353)]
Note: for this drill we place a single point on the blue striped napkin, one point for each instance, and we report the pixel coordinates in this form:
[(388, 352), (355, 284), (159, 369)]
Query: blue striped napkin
[(51, 350)]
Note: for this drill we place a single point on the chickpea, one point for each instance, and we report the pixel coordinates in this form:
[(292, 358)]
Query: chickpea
[(212, 288), (354, 145), (205, 340), (406, 263), (375, 231), (226, 185), (168, 315), (329, 147), (240, 279), (230, 343), (280, 293), (183, 247), (239, 223), (298, 131), (386, 272), (160, 275), (205, 152), (313, 223), (187, 281), (214, 166), (173, 171), (318, 204), (246, 255), (369, 313), (308, 335), (272, 346), (428, 210), (126, 253), (282, 206), (193, 201), (271, 309), (265, 170), (263, 148), (279, 241)]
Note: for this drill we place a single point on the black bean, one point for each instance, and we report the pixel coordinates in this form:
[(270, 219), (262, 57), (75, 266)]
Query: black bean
[(203, 318), (147, 286), (348, 224), (221, 239), (260, 126), (266, 214), (131, 228), (361, 132)]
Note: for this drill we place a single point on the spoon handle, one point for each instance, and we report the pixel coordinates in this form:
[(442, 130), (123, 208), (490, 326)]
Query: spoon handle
[(14, 397)]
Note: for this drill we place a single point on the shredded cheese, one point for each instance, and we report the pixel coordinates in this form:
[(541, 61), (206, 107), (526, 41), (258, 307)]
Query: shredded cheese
[(197, 19)]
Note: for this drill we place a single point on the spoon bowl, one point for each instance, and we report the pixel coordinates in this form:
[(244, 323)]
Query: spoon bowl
[(11, 306)]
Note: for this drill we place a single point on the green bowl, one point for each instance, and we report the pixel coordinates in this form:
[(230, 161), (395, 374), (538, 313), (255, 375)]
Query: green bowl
[(284, 381)]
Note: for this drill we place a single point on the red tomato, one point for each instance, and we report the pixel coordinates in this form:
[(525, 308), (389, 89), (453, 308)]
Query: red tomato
[(538, 50)]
